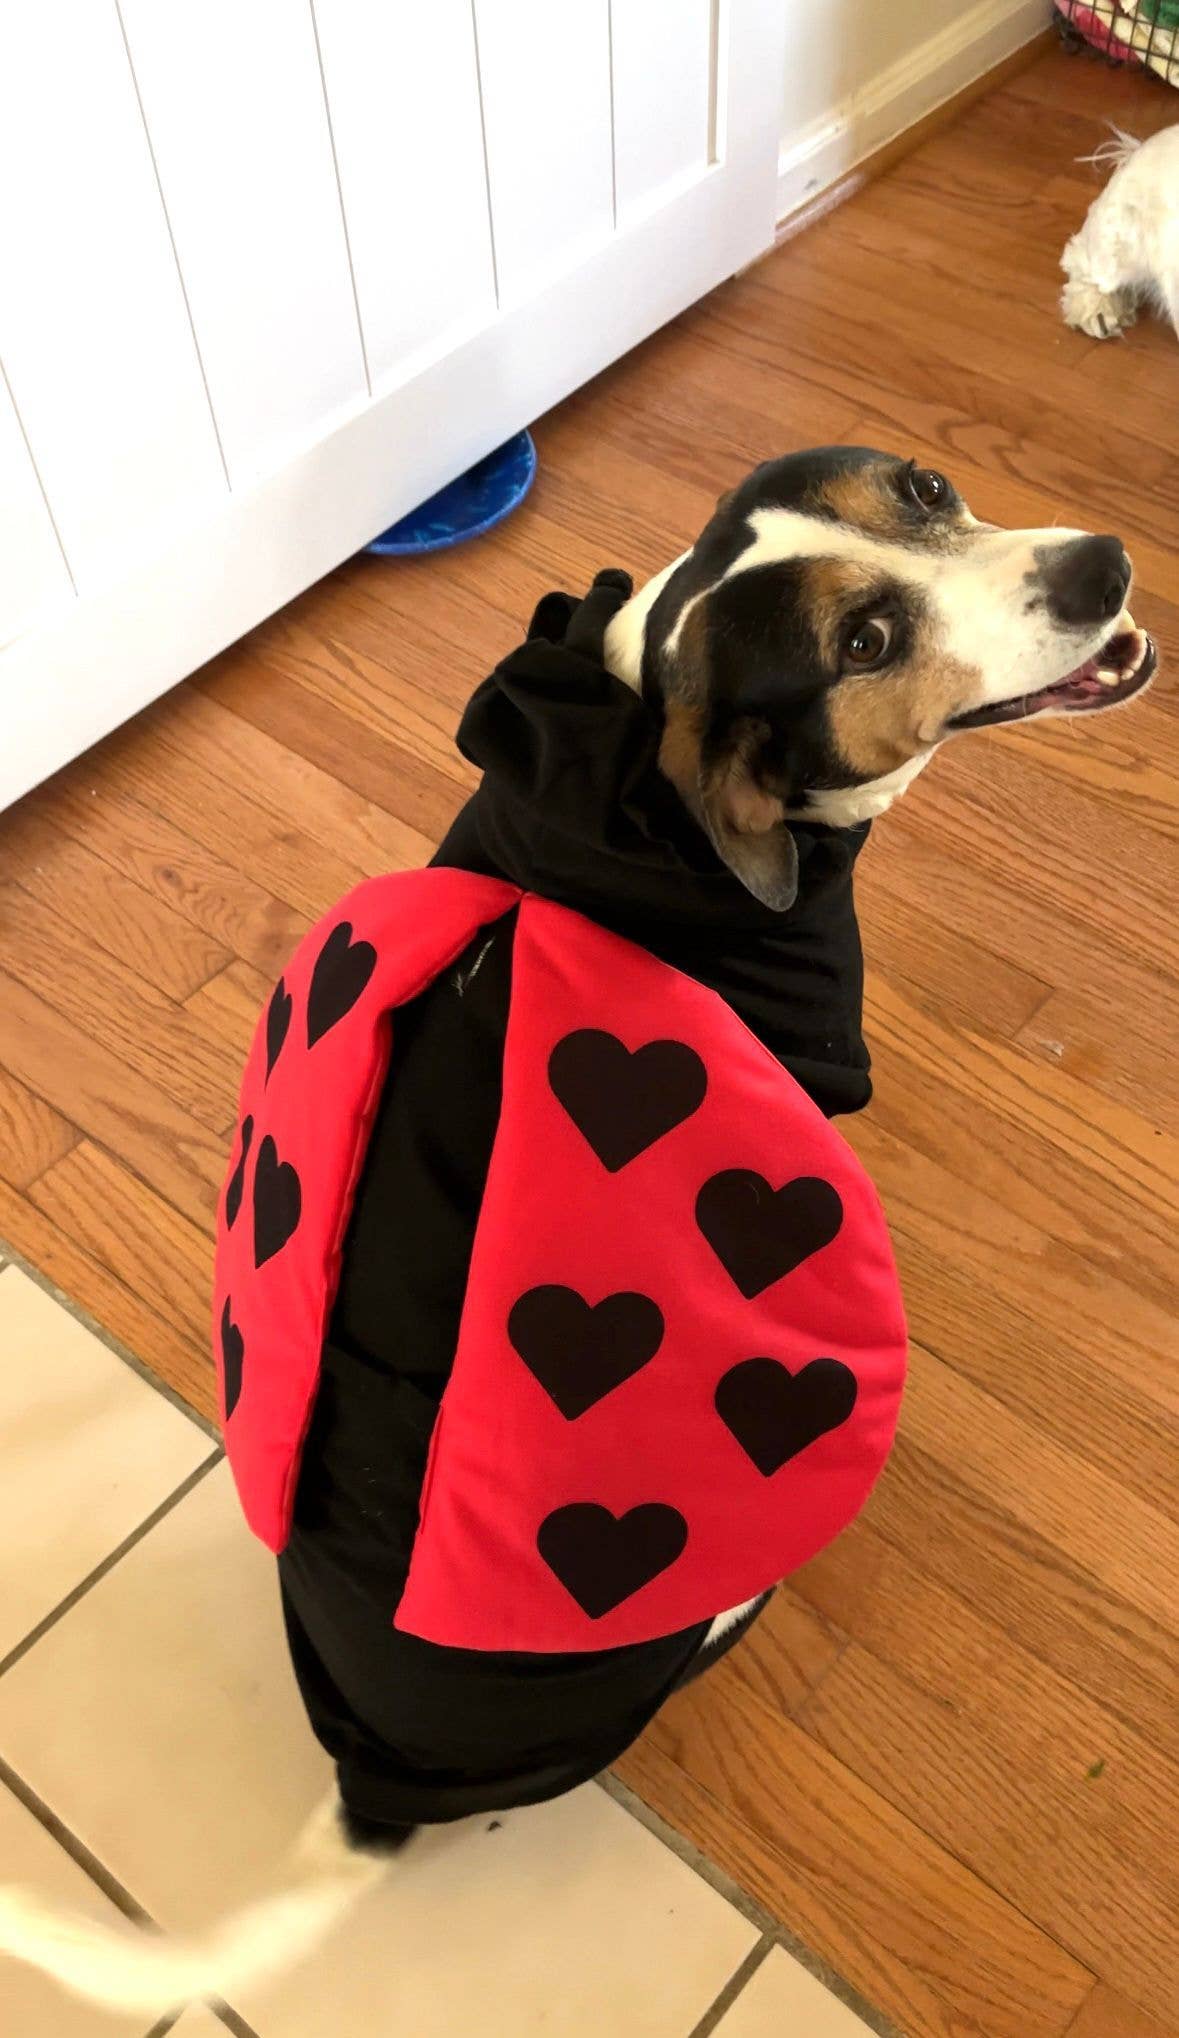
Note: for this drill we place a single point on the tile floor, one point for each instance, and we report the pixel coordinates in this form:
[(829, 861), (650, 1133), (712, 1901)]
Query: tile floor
[(145, 1699)]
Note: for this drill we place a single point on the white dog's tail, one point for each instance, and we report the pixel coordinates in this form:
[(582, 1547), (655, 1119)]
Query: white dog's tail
[(123, 1968), (1115, 151)]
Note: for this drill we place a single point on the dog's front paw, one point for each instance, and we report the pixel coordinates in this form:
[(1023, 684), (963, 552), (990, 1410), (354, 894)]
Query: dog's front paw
[(1102, 314)]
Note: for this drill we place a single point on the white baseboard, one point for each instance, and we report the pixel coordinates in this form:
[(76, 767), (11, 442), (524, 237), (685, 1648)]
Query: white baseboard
[(892, 101)]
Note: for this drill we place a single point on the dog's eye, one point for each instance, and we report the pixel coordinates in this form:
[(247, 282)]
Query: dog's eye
[(870, 641), (928, 489)]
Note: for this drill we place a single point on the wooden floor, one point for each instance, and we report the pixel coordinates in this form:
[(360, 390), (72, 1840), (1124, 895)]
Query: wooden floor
[(950, 1759)]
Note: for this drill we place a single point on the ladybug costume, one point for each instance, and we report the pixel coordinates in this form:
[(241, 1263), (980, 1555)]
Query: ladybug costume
[(553, 1317)]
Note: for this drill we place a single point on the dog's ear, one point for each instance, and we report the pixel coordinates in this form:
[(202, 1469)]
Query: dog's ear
[(746, 824)]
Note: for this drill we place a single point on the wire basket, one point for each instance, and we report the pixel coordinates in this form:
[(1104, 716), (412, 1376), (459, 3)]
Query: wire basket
[(1144, 33)]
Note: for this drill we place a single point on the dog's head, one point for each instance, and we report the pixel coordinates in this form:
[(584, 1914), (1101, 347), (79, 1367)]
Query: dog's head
[(840, 615)]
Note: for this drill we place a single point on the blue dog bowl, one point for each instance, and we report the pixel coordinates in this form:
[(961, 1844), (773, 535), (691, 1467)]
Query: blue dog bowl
[(476, 502)]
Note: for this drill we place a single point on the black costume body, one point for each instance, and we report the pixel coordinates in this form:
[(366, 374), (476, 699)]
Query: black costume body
[(571, 807)]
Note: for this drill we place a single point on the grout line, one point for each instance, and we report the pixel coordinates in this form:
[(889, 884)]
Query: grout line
[(99, 1874), (108, 1563), (70, 1844), (871, 2018), (773, 1931), (735, 1986), (20, 425), (220, 2011), (707, 1870), (232, 2019), (327, 109), (10, 1254), (486, 157)]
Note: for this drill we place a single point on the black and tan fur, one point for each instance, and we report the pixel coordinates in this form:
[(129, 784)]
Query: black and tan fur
[(745, 647)]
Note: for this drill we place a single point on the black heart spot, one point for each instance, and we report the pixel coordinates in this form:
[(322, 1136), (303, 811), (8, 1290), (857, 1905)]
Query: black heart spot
[(233, 1351), (278, 1019), (620, 1102), (602, 1559), (579, 1353), (342, 969), (278, 1200), (236, 1182), (759, 1234), (774, 1414)]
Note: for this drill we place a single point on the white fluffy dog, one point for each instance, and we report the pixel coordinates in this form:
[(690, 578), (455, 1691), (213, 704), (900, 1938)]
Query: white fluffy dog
[(1127, 252)]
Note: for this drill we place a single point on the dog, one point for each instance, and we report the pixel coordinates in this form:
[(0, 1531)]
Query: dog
[(691, 769), (1127, 252)]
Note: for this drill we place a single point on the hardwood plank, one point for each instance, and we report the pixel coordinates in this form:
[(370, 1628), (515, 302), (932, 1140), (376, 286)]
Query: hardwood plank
[(1089, 1172), (1079, 1353), (238, 914), (1025, 1778), (1132, 770), (32, 1135), (127, 1228), (262, 774), (999, 819), (961, 886), (151, 761), (1033, 1587), (112, 911), (1134, 1068), (981, 1676), (113, 1005), (378, 768), (229, 1005), (1037, 1843), (968, 983), (1131, 1548), (1106, 2014), (388, 701), (114, 1101), (788, 1651), (861, 1884)]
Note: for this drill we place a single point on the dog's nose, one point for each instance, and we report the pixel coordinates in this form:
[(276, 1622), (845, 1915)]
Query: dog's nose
[(1087, 580)]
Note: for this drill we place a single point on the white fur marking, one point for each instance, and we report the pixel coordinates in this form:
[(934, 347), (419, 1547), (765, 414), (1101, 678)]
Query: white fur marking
[(849, 805), (725, 1621), (125, 1968), (626, 633)]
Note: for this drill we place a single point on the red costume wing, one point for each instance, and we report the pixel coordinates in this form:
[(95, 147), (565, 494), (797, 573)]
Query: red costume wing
[(682, 1348), (309, 1094)]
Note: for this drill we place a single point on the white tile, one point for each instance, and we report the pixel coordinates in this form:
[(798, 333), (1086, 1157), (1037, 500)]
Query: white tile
[(784, 2001), (159, 1718), (87, 1450), (31, 2004)]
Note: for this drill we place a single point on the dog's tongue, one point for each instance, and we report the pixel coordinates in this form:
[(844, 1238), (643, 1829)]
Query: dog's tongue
[(1117, 658)]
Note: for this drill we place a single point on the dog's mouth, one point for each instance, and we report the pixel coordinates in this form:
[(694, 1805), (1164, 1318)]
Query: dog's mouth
[(1118, 670)]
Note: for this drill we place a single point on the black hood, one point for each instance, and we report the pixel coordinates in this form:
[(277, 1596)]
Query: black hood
[(574, 807)]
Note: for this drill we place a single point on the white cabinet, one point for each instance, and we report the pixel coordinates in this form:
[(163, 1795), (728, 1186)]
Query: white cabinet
[(272, 273)]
